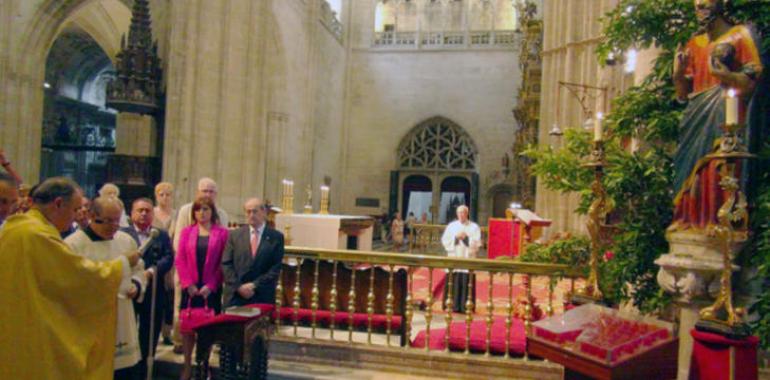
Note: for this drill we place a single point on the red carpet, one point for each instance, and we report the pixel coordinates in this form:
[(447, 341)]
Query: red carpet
[(499, 290), (457, 333)]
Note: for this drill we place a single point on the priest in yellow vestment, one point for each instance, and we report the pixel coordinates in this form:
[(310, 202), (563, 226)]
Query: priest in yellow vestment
[(57, 309)]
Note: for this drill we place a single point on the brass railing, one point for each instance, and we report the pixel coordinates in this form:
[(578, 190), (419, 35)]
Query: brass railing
[(345, 291), (426, 238)]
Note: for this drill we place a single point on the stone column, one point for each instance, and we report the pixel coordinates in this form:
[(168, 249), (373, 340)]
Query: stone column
[(691, 273)]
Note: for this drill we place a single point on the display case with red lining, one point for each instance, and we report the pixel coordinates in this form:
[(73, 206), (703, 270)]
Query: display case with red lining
[(600, 342)]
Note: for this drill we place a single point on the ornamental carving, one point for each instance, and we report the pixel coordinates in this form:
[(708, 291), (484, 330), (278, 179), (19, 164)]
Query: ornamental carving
[(437, 144)]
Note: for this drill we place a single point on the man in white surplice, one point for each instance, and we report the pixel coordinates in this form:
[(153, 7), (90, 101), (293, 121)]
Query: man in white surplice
[(461, 239), (102, 241)]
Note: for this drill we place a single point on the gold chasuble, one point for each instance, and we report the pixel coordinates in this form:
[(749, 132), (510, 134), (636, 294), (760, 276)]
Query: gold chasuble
[(57, 309)]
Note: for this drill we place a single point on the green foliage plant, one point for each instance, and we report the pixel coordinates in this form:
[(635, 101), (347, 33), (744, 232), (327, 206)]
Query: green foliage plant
[(640, 182)]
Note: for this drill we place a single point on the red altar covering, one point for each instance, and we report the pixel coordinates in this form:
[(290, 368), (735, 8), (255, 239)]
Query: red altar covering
[(508, 237), (504, 238), (714, 355)]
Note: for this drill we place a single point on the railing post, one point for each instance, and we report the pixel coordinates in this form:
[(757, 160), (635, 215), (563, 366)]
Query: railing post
[(389, 304), (333, 301), (469, 309), (278, 301), (297, 290), (370, 306), (351, 301), (528, 309), (409, 312), (448, 305), (429, 309), (490, 310), (509, 316), (549, 307), (314, 300)]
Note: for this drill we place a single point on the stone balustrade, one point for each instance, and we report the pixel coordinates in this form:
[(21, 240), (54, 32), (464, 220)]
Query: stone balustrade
[(446, 39)]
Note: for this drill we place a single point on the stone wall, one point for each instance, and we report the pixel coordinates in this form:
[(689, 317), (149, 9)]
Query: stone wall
[(258, 91), (391, 91), (254, 96)]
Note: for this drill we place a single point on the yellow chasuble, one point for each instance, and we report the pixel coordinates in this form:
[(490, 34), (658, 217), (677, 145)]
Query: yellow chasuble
[(57, 309)]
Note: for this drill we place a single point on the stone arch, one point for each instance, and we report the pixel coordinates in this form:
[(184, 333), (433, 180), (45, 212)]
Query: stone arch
[(438, 148), (22, 101), (438, 144)]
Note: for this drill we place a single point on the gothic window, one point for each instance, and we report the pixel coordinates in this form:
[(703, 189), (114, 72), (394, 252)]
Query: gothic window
[(437, 144)]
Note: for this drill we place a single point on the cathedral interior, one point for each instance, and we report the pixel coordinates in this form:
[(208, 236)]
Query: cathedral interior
[(393, 109)]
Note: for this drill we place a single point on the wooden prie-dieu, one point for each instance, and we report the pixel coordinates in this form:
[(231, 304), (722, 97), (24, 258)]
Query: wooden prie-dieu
[(243, 348)]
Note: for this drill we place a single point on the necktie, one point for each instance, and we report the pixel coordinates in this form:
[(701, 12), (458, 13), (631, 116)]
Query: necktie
[(254, 243)]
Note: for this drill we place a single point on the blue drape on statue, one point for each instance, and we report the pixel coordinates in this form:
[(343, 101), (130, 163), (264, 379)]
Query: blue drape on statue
[(699, 130), (696, 181)]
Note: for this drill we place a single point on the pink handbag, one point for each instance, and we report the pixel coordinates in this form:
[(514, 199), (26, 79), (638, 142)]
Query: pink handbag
[(193, 316)]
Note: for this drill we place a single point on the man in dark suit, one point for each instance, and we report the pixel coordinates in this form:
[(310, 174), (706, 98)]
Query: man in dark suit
[(252, 259), (158, 260)]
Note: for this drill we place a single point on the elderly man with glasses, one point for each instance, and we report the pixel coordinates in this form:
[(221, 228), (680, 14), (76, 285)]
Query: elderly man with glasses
[(102, 240)]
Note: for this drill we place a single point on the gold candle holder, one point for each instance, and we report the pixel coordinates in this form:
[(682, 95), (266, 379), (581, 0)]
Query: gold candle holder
[(287, 198), (723, 317), (324, 200), (597, 215), (308, 209), (287, 234)]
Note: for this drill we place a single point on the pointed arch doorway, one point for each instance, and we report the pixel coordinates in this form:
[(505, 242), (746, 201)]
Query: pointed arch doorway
[(437, 171)]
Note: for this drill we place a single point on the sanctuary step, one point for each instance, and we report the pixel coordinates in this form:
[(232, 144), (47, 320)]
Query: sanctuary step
[(302, 357)]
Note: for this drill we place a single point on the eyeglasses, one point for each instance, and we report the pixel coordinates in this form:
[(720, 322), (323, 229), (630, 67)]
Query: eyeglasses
[(254, 210), (114, 223)]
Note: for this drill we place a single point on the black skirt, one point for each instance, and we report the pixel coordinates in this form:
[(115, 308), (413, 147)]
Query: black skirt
[(460, 293)]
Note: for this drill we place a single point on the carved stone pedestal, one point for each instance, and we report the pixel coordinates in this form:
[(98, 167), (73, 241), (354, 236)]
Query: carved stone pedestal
[(691, 272)]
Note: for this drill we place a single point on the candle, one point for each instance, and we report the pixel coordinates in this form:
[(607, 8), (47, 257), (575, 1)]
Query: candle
[(731, 108), (324, 200), (598, 128)]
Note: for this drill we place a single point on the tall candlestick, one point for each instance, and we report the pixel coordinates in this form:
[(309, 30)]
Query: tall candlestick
[(731, 108), (288, 196), (324, 200), (598, 128)]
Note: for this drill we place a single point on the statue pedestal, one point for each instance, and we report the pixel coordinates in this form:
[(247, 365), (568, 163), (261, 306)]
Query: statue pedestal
[(691, 273)]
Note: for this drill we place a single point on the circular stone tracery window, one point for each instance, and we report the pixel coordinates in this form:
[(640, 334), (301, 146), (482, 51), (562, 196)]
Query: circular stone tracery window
[(437, 144)]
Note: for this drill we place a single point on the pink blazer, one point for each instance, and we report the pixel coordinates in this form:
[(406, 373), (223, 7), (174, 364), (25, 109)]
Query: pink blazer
[(186, 262)]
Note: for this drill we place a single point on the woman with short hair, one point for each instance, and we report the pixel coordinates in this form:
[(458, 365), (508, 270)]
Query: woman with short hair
[(198, 266)]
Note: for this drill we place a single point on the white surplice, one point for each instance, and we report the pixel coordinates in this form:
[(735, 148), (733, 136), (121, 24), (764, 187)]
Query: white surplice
[(458, 248), (127, 351)]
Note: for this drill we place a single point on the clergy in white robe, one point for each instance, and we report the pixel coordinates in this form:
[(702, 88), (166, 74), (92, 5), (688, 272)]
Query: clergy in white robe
[(461, 239), (102, 241)]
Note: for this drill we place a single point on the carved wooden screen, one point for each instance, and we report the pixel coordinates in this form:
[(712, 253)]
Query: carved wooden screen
[(437, 144)]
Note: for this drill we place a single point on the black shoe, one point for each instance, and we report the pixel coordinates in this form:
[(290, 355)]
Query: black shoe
[(167, 341)]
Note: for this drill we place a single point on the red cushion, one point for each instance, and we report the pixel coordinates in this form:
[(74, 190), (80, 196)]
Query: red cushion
[(341, 318), (265, 309), (516, 339)]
